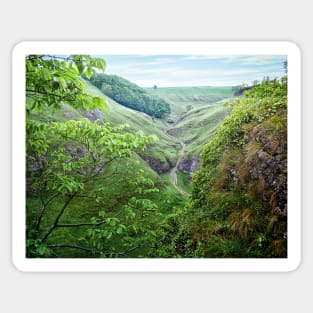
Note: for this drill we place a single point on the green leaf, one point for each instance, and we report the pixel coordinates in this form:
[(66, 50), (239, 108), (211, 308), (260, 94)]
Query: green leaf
[(88, 73), (113, 222), (46, 74), (119, 230), (80, 67)]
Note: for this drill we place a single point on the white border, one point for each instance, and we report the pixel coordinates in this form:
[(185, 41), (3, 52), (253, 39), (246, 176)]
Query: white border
[(146, 48)]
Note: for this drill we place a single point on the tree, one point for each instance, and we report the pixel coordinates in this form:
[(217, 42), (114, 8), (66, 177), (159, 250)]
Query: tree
[(131, 95), (66, 159), (53, 80)]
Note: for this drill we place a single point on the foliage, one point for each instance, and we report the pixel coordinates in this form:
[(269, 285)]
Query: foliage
[(53, 80), (65, 160), (239, 90), (64, 156), (260, 103), (131, 95)]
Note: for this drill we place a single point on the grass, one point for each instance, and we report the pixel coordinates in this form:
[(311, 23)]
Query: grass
[(169, 197), (183, 180), (66, 113)]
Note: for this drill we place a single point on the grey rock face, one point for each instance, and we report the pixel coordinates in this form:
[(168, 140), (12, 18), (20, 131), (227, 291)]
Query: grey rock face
[(156, 165), (189, 166), (93, 115)]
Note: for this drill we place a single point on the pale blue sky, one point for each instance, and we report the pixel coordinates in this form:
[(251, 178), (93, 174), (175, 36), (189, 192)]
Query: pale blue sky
[(194, 70)]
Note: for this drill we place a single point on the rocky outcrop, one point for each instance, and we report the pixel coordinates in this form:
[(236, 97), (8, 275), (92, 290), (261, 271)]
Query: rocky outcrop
[(68, 114), (93, 115), (268, 168), (157, 165), (189, 166)]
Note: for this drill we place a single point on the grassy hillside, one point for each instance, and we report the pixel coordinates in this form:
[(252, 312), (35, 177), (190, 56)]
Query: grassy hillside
[(196, 127), (183, 99), (196, 114), (238, 207), (164, 150)]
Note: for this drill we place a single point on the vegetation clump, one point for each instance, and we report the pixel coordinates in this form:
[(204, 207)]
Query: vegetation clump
[(238, 206)]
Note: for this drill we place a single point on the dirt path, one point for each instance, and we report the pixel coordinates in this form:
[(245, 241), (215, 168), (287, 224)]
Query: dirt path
[(173, 172)]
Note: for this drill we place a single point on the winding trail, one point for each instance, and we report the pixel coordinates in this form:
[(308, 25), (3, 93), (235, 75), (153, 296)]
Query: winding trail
[(173, 172)]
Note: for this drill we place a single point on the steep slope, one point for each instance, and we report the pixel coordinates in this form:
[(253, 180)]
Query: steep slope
[(238, 206)]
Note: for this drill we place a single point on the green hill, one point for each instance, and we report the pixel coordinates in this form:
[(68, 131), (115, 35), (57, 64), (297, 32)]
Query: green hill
[(183, 99)]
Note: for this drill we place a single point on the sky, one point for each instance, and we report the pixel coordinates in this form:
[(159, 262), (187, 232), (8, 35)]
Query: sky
[(194, 70)]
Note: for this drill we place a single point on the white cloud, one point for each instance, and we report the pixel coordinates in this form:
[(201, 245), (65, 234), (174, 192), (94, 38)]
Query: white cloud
[(255, 59), (193, 70)]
